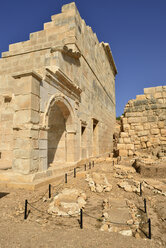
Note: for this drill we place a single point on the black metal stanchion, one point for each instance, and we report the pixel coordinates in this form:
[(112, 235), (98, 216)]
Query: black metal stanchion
[(85, 167), (25, 211), (49, 191), (89, 165), (145, 209), (93, 163), (149, 224), (140, 189), (113, 162), (81, 218), (74, 172), (65, 177)]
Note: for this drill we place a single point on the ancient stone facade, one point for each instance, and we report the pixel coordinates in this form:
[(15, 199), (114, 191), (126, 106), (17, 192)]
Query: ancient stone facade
[(57, 96), (143, 125)]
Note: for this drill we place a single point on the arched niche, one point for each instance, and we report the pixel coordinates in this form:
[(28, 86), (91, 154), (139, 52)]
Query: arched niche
[(59, 121)]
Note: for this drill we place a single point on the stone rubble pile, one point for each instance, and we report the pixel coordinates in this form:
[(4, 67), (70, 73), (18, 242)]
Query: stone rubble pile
[(156, 189), (68, 203), (98, 182), (130, 186), (124, 172)]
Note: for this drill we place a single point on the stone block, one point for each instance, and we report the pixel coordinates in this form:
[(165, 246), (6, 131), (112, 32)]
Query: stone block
[(154, 131), (130, 146), (134, 119), (127, 140), (148, 144), (146, 126), (159, 88), (131, 132), (163, 132), (144, 138), (140, 97), (124, 134), (26, 85), (43, 144), (152, 119), (23, 102), (158, 95), (139, 128), (143, 133), (126, 127), (123, 153), (121, 146), (124, 120), (149, 90), (130, 153)]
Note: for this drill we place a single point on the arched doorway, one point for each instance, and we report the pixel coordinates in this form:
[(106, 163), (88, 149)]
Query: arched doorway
[(60, 132)]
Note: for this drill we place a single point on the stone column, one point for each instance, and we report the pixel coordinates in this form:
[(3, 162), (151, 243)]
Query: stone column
[(26, 123), (70, 146)]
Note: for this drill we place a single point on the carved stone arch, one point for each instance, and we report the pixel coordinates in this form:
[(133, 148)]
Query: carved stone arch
[(62, 102), (60, 124)]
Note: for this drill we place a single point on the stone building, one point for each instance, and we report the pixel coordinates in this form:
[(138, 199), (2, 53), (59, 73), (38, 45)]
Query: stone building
[(143, 125), (57, 96)]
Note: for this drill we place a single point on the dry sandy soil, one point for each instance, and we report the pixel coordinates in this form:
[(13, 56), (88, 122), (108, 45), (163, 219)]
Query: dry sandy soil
[(43, 230)]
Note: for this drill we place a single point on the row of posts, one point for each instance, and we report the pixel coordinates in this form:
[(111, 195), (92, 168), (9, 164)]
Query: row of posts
[(81, 211)]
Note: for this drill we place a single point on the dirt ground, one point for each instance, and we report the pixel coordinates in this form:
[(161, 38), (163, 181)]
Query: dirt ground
[(42, 230)]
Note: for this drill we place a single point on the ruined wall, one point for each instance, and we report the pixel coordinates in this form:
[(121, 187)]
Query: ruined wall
[(63, 65), (143, 125)]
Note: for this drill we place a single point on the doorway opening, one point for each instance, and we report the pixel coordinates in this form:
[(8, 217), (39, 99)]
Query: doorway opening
[(95, 140), (58, 119)]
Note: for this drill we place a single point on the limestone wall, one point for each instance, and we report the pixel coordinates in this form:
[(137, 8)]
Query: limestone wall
[(143, 125), (65, 65)]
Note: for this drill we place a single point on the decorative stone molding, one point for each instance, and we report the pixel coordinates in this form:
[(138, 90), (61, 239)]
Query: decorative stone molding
[(56, 75), (72, 52), (108, 52), (27, 73), (59, 98)]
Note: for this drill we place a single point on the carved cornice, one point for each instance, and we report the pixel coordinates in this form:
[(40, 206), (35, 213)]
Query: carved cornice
[(108, 52), (27, 73), (72, 52), (56, 75)]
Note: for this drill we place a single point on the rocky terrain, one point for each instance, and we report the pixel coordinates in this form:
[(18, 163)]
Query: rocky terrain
[(113, 210)]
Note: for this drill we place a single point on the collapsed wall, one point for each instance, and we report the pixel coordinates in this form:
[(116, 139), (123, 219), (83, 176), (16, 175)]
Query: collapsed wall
[(143, 124)]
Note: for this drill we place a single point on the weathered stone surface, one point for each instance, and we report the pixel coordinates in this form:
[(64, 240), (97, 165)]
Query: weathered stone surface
[(44, 86), (68, 203), (98, 183), (146, 127)]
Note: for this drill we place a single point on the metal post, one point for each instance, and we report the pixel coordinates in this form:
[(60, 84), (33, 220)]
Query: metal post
[(93, 163), (74, 172), (149, 224), (65, 177), (89, 165), (49, 194), (113, 162), (145, 205), (25, 212), (85, 167), (81, 218), (140, 189)]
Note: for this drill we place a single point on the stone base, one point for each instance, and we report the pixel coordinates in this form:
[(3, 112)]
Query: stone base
[(33, 181)]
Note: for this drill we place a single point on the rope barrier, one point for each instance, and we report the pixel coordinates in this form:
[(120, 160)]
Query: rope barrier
[(61, 184)]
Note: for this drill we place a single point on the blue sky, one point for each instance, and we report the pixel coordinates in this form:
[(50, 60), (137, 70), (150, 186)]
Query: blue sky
[(135, 30)]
